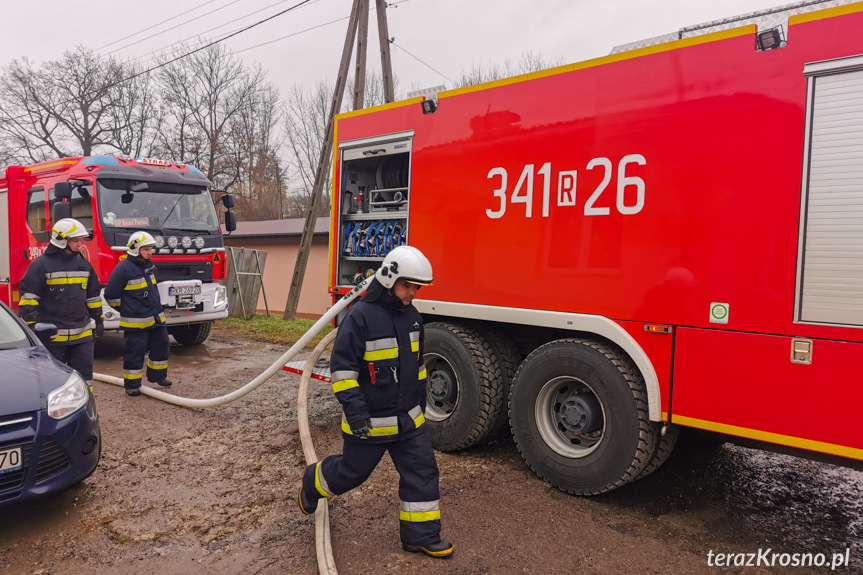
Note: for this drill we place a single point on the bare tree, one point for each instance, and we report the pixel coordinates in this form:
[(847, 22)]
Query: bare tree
[(306, 115), (79, 105), (203, 95), (528, 62)]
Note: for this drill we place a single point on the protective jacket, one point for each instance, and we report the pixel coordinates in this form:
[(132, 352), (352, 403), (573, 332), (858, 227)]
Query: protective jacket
[(62, 288), (132, 289), (377, 367)]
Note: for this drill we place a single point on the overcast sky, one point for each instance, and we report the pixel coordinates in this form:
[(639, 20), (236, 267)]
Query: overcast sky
[(434, 39)]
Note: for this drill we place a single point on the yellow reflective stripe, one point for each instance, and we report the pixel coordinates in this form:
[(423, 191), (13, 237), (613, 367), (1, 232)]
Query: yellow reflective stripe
[(415, 346), (132, 286), (153, 280), (87, 333), (345, 384), (320, 482), (391, 353), (66, 281), (157, 365), (94, 304), (28, 302), (381, 431), (423, 373), (136, 324), (419, 420), (419, 516)]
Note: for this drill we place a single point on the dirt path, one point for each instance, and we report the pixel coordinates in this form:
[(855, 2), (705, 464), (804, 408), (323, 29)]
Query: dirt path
[(212, 491)]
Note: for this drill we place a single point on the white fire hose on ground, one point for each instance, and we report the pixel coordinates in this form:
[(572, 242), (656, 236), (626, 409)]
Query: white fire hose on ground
[(326, 563)]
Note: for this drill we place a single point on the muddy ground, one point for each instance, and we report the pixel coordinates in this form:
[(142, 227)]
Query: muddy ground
[(213, 491)]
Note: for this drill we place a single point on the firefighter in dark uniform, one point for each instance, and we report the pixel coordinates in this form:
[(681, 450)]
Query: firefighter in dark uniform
[(132, 289), (61, 288), (379, 377)]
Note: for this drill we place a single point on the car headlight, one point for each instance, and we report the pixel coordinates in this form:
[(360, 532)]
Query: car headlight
[(66, 400), (220, 298)]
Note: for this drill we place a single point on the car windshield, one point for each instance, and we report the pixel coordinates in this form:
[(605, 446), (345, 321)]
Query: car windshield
[(156, 206), (11, 333)]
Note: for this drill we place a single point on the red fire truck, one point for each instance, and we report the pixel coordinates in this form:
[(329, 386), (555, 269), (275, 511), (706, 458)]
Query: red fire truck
[(670, 236), (114, 197)]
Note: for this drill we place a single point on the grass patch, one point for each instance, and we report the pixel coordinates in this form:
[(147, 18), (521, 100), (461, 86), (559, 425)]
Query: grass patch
[(271, 329)]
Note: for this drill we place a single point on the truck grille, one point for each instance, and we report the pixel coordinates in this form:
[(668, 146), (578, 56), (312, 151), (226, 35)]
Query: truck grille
[(184, 271)]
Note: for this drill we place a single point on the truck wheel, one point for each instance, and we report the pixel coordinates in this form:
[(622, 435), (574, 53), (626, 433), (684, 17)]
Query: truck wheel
[(578, 412), (191, 334), (508, 358), (464, 395), (664, 447)]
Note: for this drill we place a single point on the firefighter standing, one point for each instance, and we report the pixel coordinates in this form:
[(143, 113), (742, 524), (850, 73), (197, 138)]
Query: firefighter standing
[(379, 377), (132, 288), (60, 287)]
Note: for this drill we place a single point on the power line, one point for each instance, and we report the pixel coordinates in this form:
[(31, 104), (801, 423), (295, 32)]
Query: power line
[(171, 28), (181, 42), (393, 42), (291, 35), (156, 24)]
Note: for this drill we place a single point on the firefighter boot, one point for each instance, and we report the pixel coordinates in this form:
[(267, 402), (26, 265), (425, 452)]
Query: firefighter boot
[(133, 391), (163, 382), (306, 506), (442, 549)]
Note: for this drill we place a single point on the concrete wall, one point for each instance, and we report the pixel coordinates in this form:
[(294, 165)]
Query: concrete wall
[(279, 270)]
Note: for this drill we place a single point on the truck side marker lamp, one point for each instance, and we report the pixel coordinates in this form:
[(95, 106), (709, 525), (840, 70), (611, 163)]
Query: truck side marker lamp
[(770, 39), (651, 328)]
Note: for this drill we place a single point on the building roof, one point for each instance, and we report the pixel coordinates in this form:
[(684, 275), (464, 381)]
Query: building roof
[(278, 228)]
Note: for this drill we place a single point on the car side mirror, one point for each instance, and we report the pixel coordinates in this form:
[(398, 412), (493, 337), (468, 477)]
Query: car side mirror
[(63, 190), (45, 331), (228, 201)]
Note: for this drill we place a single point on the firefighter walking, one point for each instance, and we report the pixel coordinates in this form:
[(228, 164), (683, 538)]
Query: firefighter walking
[(379, 377), (61, 288), (132, 289)]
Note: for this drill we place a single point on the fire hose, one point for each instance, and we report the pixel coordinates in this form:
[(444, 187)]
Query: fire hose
[(326, 563)]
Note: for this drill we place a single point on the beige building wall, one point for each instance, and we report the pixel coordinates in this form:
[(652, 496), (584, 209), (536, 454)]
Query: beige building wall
[(315, 300)]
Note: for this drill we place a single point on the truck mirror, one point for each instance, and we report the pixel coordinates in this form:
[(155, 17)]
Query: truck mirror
[(63, 190), (228, 201), (62, 210), (230, 221)]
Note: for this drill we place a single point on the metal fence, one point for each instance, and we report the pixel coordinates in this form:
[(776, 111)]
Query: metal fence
[(245, 281)]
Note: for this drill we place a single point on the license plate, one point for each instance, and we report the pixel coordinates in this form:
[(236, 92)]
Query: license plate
[(184, 290), (10, 460)]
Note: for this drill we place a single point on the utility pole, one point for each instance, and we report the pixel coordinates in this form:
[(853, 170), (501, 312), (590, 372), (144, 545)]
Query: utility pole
[(324, 162), (384, 41), (360, 68)]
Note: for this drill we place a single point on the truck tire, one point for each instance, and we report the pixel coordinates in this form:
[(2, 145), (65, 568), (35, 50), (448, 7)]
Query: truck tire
[(193, 334), (579, 417), (664, 447), (465, 387), (508, 358)]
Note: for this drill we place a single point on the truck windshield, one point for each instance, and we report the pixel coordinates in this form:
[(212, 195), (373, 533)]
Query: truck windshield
[(156, 206)]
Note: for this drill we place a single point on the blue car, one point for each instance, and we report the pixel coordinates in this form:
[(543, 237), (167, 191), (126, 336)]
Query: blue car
[(49, 428)]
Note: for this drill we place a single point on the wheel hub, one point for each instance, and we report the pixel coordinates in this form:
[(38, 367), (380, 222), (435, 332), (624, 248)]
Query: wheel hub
[(439, 385), (580, 413)]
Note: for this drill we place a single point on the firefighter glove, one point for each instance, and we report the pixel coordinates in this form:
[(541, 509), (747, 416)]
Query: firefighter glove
[(100, 328), (360, 428)]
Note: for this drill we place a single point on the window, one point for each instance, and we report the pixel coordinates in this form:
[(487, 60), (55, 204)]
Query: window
[(82, 205), (36, 212)]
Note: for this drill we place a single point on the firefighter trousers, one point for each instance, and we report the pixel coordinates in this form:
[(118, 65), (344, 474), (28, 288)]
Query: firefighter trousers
[(138, 342), (419, 491), (78, 356)]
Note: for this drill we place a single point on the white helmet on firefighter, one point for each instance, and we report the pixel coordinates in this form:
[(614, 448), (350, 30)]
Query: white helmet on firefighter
[(137, 241), (65, 229), (406, 263)]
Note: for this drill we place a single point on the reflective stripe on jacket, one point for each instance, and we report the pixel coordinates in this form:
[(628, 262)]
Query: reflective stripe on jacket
[(61, 289), (377, 368), (132, 288)]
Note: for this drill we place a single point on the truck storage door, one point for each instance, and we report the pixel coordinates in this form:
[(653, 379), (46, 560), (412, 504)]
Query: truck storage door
[(5, 275)]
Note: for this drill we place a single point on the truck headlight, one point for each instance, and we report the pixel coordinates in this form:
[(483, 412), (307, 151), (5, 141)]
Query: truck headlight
[(220, 298), (66, 400)]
